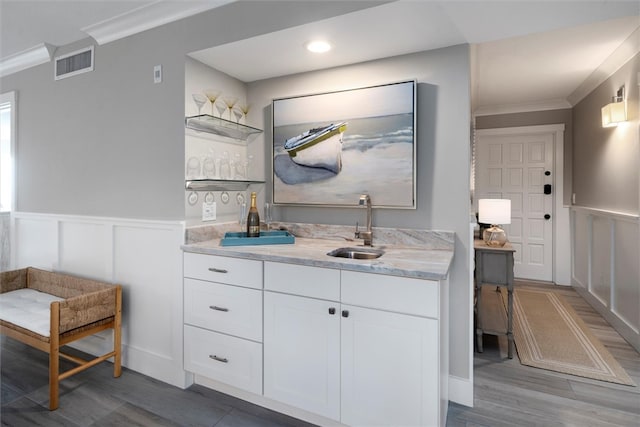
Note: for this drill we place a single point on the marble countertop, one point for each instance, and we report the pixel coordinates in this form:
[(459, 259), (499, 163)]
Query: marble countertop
[(423, 262)]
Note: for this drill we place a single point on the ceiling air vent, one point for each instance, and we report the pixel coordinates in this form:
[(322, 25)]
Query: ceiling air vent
[(71, 64)]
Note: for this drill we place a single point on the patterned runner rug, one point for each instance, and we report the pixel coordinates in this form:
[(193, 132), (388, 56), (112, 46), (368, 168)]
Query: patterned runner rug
[(550, 335)]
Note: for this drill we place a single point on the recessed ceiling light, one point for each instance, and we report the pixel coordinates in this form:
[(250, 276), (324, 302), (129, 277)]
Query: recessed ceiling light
[(318, 46)]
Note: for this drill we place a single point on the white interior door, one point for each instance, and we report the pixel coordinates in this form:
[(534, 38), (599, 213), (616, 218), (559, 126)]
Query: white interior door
[(517, 167)]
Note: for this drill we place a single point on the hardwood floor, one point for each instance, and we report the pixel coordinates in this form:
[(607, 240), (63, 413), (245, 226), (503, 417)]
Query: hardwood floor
[(510, 394), (506, 393), (95, 398)]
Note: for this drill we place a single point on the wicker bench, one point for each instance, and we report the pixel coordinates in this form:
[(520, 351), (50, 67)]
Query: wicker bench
[(49, 310)]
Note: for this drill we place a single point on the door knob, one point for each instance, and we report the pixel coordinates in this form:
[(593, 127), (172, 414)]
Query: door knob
[(547, 216), (345, 313)]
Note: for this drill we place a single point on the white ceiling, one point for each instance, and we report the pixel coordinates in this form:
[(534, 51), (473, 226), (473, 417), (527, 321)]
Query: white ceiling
[(524, 52)]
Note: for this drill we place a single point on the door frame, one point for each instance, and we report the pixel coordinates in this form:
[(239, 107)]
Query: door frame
[(561, 269)]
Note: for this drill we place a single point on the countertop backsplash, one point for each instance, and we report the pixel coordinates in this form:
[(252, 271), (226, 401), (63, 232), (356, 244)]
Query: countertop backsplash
[(428, 239)]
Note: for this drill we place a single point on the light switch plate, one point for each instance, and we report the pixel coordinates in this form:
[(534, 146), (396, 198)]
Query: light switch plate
[(157, 74)]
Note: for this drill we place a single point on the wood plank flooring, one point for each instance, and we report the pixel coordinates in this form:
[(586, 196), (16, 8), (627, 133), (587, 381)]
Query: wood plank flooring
[(510, 394), (506, 393), (94, 398)]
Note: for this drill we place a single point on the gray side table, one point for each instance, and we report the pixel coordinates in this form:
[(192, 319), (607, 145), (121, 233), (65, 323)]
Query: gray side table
[(494, 267)]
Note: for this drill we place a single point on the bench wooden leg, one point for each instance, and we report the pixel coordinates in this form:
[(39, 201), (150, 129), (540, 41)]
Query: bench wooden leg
[(54, 356), (117, 335)]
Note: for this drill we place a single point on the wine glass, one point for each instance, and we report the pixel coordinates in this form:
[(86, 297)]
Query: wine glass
[(247, 163), (238, 168), (212, 95), (237, 111), (199, 100), (193, 168), (230, 101), (242, 216), (209, 167), (225, 169), (221, 107), (268, 215), (245, 110)]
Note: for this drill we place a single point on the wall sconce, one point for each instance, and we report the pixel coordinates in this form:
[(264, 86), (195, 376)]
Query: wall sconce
[(616, 111), (494, 212)]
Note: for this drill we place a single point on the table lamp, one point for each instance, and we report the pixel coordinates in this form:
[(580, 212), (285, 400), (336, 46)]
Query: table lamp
[(495, 212)]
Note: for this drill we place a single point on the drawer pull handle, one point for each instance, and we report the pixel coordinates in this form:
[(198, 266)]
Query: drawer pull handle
[(217, 270), (215, 307), (219, 359)]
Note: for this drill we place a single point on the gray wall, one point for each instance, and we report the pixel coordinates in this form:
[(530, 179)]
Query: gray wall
[(606, 161), (111, 143), (539, 118), (442, 151)]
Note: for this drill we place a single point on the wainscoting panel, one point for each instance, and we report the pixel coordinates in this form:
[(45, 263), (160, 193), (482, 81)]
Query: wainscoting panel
[(5, 251), (627, 273), (84, 249), (600, 283), (581, 237), (35, 242), (606, 266), (142, 256), (152, 288)]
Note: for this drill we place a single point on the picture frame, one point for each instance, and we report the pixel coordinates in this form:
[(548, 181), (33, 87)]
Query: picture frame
[(329, 148)]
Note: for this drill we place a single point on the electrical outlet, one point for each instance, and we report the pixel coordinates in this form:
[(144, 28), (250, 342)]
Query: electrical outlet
[(157, 74), (209, 211)]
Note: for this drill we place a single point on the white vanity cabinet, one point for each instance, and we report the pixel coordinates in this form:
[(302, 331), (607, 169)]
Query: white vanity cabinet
[(356, 347), (223, 319)]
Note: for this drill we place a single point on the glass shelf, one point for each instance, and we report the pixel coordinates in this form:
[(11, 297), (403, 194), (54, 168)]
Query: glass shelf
[(221, 127), (218, 185)]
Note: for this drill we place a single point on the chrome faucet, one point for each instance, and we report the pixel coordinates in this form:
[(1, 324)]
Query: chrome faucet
[(367, 236)]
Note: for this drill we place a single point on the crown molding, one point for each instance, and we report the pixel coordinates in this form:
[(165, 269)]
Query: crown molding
[(551, 104), (627, 50), (28, 58), (140, 19), (147, 17)]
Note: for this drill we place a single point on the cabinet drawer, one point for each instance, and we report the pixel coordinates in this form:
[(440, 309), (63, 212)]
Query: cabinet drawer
[(233, 271), (230, 360), (229, 309), (400, 294), (314, 282)]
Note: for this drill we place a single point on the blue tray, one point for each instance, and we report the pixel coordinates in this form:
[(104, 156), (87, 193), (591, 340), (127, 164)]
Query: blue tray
[(275, 237)]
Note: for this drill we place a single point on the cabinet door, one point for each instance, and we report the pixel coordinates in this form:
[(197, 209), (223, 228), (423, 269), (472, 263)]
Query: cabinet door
[(302, 353), (389, 368)]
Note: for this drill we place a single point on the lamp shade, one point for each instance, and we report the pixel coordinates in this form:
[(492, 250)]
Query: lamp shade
[(614, 113), (494, 211)]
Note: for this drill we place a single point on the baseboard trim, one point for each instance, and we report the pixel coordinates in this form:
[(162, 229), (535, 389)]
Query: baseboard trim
[(265, 402), (625, 331), (461, 391)]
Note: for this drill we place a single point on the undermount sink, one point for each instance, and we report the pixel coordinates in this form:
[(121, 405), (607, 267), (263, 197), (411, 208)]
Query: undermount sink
[(356, 253)]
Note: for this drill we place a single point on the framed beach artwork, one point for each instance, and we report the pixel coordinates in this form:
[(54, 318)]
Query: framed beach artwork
[(329, 148)]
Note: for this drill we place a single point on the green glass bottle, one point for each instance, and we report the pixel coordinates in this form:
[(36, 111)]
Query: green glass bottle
[(253, 218)]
